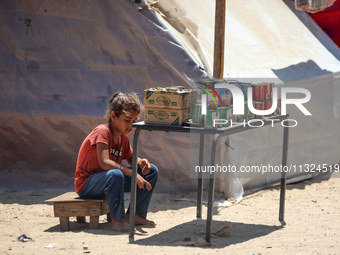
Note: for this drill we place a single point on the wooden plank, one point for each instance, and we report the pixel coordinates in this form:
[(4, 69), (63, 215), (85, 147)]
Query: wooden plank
[(77, 209), (71, 197), (219, 38), (105, 207), (94, 222), (64, 223)]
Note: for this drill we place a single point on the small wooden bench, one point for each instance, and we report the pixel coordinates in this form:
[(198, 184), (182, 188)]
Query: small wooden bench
[(71, 205)]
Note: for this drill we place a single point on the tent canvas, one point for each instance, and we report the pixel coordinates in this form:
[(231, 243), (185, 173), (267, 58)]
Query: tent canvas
[(61, 61)]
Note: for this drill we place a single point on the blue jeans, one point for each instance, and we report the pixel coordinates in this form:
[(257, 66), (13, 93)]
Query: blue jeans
[(112, 184)]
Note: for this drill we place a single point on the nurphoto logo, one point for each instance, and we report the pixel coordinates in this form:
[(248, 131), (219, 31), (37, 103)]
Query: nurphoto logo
[(239, 103)]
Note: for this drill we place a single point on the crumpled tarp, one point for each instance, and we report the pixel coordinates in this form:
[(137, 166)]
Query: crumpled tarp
[(60, 62)]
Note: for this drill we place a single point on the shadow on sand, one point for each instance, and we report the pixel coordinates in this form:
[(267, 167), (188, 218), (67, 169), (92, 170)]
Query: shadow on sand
[(184, 234)]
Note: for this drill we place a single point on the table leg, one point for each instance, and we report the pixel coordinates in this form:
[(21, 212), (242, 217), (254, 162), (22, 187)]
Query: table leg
[(94, 222), (133, 194), (283, 174), (211, 190), (200, 179), (64, 223)]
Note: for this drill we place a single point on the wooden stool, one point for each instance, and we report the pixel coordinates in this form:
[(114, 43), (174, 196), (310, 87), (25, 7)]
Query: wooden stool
[(70, 204)]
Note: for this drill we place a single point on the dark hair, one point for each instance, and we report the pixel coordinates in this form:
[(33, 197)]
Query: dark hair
[(123, 103)]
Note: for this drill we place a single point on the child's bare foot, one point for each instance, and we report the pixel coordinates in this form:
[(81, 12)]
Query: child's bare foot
[(120, 225), (140, 220)]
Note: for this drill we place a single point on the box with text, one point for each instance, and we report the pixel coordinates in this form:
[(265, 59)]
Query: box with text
[(166, 116), (168, 99)]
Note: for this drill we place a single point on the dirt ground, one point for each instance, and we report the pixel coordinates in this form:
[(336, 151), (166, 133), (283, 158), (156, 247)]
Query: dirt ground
[(311, 226)]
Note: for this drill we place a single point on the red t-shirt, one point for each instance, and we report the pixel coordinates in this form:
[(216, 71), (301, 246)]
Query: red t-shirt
[(88, 163)]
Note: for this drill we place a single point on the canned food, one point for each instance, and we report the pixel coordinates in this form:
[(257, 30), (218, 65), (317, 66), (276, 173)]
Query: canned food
[(225, 96), (262, 91), (244, 87), (257, 92), (196, 114), (267, 105), (211, 116), (212, 105), (250, 115), (267, 91), (259, 105), (278, 108), (232, 82), (223, 112), (244, 117)]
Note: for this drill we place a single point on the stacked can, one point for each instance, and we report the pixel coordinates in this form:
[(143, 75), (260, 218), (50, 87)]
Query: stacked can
[(278, 108), (244, 87), (196, 114), (247, 115), (262, 97), (215, 111), (262, 91)]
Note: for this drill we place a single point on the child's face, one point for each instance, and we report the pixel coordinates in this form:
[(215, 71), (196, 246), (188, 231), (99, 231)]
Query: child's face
[(123, 124)]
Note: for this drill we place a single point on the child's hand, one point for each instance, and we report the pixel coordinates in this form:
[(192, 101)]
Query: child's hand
[(144, 164), (141, 182)]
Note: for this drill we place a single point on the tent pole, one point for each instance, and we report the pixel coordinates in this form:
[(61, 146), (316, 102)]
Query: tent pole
[(218, 73), (219, 38)]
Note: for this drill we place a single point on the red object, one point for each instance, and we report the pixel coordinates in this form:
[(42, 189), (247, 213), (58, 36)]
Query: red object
[(329, 21), (88, 163), (213, 91), (262, 91), (257, 92), (259, 105), (278, 108), (267, 105)]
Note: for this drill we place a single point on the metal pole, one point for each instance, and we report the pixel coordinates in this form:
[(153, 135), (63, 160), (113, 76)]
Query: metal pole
[(211, 190), (200, 179), (283, 174), (133, 194)]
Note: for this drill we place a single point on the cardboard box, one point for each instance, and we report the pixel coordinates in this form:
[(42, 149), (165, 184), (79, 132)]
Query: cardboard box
[(168, 99), (166, 116)]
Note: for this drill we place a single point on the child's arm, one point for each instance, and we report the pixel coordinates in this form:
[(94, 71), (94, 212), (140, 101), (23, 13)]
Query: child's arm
[(106, 163), (143, 164)]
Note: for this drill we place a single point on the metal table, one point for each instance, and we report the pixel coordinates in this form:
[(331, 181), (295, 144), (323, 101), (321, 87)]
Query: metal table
[(217, 133)]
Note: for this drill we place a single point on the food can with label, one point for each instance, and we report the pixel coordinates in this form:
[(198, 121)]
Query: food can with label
[(259, 105), (244, 86), (250, 115), (211, 116), (267, 91), (222, 117), (225, 96), (278, 108), (244, 116), (223, 112), (257, 92), (196, 114), (267, 104), (262, 91)]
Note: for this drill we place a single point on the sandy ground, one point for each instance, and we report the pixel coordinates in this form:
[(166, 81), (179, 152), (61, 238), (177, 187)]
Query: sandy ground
[(311, 226)]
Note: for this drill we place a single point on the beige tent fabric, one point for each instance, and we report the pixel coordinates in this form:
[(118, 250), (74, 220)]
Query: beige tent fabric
[(260, 37)]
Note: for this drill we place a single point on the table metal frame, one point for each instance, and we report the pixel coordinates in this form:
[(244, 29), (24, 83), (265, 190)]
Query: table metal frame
[(218, 133)]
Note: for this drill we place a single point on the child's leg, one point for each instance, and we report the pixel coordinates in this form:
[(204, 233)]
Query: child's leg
[(108, 184), (143, 195)]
